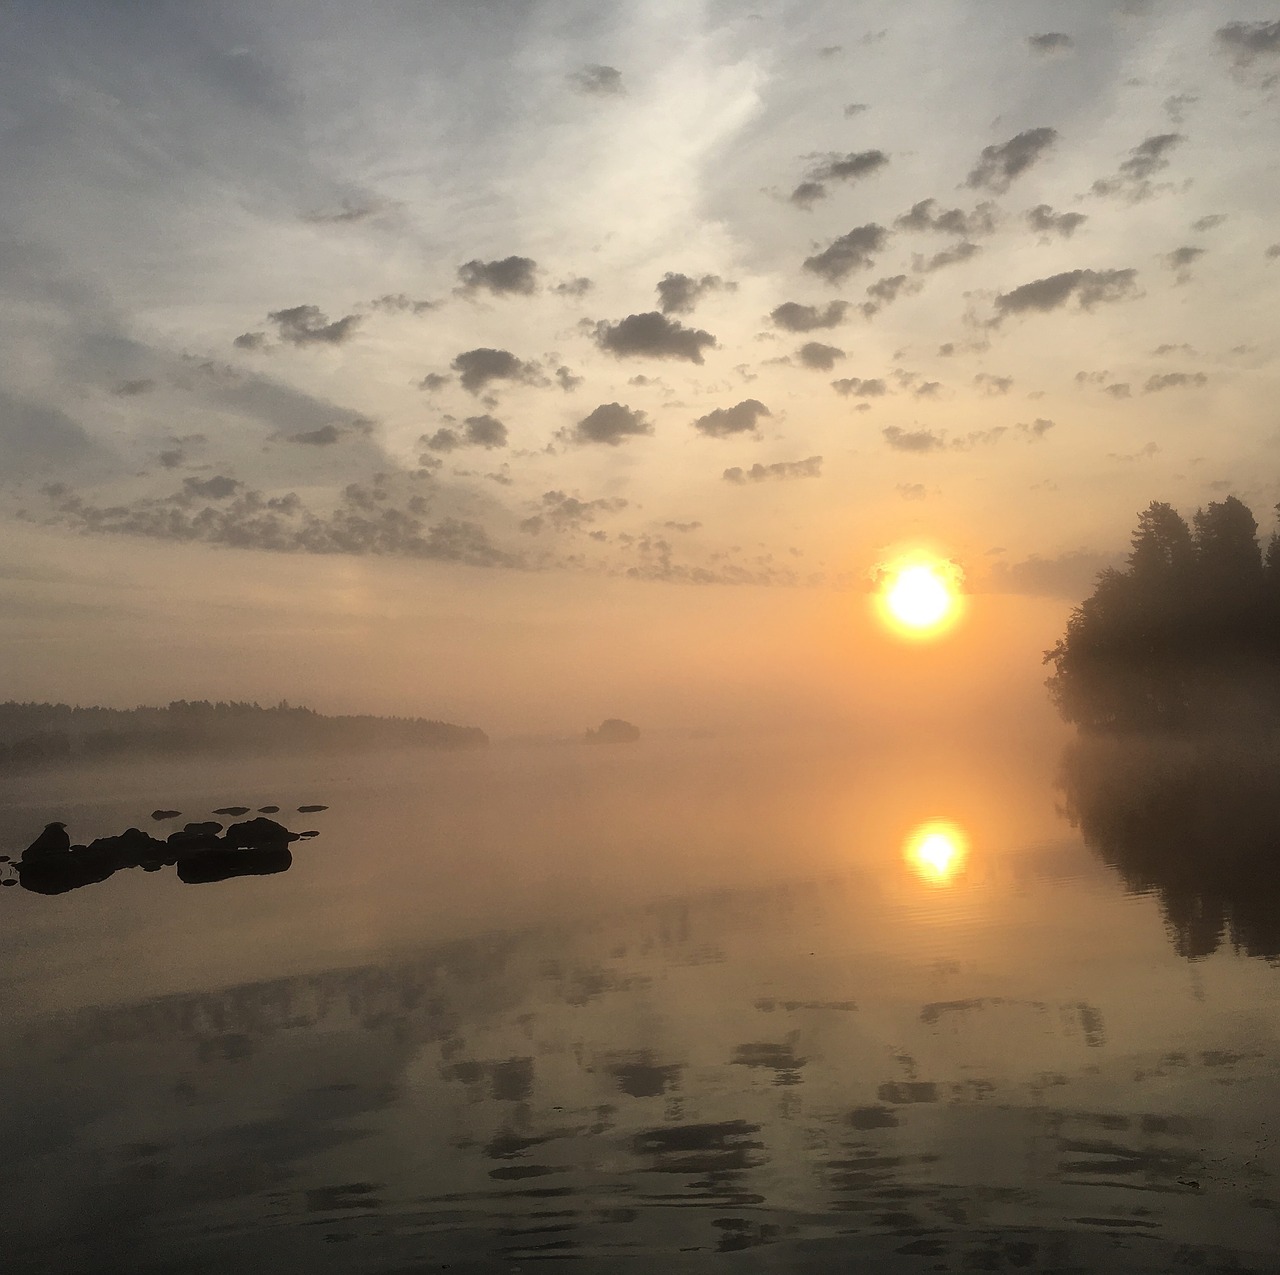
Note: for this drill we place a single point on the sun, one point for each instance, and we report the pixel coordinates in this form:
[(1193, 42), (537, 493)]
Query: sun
[(919, 597), (936, 851)]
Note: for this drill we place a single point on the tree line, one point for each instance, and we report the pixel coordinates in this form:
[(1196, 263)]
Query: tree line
[(35, 733), (1185, 636)]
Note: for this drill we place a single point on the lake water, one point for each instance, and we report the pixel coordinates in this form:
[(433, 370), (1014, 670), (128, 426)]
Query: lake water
[(682, 1005)]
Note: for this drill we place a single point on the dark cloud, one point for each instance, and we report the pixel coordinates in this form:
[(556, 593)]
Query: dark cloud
[(578, 287), (1035, 430), (611, 424), (308, 325), (322, 437), (1272, 251), (1180, 261), (842, 168), (682, 526), (1043, 219), (477, 368), (1132, 180), (821, 358), (1176, 107), (1167, 348), (1248, 41), (401, 303), (679, 293), (350, 212), (434, 381), (443, 440), (174, 458), (251, 341), (916, 440), (855, 108), (885, 291), (810, 467), (926, 215), (791, 316), (1069, 575), (1118, 389), (566, 380), (131, 389), (725, 422), (561, 512), (1050, 42), (1088, 287), (859, 388), (219, 487), (1209, 222), (484, 431), (997, 166), (952, 256), (368, 521), (598, 81), (928, 389), (1173, 380), (653, 335), (993, 385), (511, 275), (848, 253)]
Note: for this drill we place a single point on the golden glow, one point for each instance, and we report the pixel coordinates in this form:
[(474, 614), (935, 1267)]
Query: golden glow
[(936, 851), (919, 596)]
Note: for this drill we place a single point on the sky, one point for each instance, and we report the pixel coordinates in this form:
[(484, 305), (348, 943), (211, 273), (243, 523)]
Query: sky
[(525, 363)]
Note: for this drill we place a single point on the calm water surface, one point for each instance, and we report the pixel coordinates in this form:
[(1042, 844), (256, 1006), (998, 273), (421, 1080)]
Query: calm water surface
[(672, 1006)]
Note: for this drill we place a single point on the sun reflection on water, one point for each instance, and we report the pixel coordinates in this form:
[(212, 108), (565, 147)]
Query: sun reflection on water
[(936, 851)]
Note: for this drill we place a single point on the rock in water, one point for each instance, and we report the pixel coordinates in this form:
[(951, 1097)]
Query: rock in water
[(257, 833), (51, 843), (161, 815)]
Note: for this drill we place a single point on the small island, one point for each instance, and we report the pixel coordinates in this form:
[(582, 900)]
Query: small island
[(613, 730)]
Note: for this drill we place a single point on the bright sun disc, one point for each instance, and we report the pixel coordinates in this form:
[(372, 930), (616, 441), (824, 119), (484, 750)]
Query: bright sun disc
[(936, 851), (919, 599)]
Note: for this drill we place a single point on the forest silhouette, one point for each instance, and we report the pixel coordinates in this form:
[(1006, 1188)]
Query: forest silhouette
[(1187, 636)]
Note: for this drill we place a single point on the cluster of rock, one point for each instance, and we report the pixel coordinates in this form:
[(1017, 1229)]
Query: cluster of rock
[(200, 851)]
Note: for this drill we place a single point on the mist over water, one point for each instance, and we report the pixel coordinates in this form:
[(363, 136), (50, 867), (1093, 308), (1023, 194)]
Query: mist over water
[(648, 1003)]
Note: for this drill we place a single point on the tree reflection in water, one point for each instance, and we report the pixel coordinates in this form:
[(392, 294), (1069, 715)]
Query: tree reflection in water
[(1194, 821)]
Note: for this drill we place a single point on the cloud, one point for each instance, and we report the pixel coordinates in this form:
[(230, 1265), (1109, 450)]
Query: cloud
[(477, 368), (1050, 42), (848, 253), (507, 277), (131, 389), (219, 487), (1132, 179), (858, 388), (917, 440), (477, 431), (1180, 261), (926, 215), (1088, 287), (726, 422), (911, 491), (35, 438), (855, 108), (562, 512), (1043, 219), (791, 316), (1248, 41), (1119, 389), (997, 166), (1272, 252), (434, 381), (844, 168), (401, 303), (993, 385), (811, 467), (821, 358), (368, 521), (1036, 429), (598, 81), (350, 212), (578, 287), (308, 325), (887, 290), (325, 436), (1208, 222), (952, 256), (566, 380), (678, 293), (611, 424), (1173, 380), (1069, 575), (652, 335), (251, 341)]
